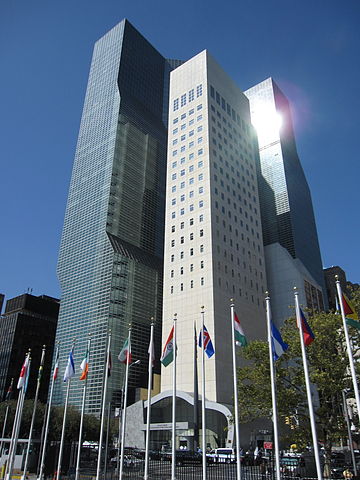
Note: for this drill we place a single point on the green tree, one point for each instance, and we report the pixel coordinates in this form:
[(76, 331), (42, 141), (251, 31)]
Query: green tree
[(328, 370)]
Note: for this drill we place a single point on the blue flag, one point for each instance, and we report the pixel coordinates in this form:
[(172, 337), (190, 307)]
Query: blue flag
[(208, 346), (278, 345)]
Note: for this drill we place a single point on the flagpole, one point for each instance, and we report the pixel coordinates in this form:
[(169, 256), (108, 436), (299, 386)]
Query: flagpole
[(348, 346), (82, 415), (47, 420), (308, 389), (6, 416), (236, 401), (148, 414), (196, 395), (203, 411), (18, 420), (18, 406), (273, 388), (173, 427), (34, 410), (58, 472), (123, 421), (103, 407)]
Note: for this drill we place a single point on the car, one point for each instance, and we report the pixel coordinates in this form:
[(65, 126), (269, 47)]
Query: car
[(222, 455), (184, 457)]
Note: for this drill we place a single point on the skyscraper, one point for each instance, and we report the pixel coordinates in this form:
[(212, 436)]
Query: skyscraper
[(110, 261), (291, 243), (213, 236), (28, 322)]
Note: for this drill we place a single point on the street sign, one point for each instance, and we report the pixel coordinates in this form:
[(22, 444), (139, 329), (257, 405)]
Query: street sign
[(268, 445)]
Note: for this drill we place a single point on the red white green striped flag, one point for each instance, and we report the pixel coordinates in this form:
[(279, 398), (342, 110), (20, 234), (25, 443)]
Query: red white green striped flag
[(125, 354), (240, 338), (168, 353)]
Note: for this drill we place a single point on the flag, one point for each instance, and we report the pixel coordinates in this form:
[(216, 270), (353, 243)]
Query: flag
[(240, 338), (109, 365), (307, 332), (56, 366), (84, 365), (350, 312), (23, 373), (168, 353), (40, 373), (70, 367), (9, 391), (125, 354), (151, 352), (278, 346), (208, 346)]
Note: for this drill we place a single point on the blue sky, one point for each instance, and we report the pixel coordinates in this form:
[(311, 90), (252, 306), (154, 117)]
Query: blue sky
[(311, 49)]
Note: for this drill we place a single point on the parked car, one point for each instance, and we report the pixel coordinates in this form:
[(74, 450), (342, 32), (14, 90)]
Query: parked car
[(222, 455), (184, 457)]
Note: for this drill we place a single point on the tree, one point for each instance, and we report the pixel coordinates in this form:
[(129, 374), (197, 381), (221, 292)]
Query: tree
[(328, 370)]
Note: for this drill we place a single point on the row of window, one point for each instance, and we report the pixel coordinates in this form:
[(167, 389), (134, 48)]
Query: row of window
[(191, 269), (191, 132), (183, 160), (191, 121), (191, 209), (191, 253), (187, 97), (182, 238), (191, 179), (183, 148), (220, 100), (191, 195), (192, 284)]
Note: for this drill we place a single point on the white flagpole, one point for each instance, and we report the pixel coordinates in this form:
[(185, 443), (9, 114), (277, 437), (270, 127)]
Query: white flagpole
[(348, 346), (3, 429), (34, 412), (98, 469), (42, 463), (236, 401), (203, 411), (308, 389), (58, 472), (18, 422), (273, 388), (148, 415), (82, 415), (173, 429), (123, 421)]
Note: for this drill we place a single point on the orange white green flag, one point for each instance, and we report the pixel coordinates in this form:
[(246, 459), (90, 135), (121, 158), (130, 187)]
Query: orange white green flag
[(168, 353), (240, 338), (84, 366)]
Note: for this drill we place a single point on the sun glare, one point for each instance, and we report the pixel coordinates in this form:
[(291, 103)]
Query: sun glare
[(267, 123)]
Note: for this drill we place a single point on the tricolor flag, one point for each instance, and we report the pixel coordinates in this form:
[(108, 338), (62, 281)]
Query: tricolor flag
[(23, 373), (168, 353), (125, 354), (307, 332), (70, 367), (240, 338), (84, 365), (350, 312), (208, 346), (278, 346), (56, 366)]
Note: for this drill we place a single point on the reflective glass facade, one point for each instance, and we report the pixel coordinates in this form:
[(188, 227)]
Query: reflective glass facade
[(286, 207), (110, 261)]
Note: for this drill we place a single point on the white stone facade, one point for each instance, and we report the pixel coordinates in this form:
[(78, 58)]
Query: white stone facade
[(213, 238)]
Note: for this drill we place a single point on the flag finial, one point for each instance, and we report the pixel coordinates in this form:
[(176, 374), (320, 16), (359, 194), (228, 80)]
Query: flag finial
[(336, 277)]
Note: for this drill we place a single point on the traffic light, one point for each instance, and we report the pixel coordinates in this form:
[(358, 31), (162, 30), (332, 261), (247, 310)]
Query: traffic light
[(287, 420)]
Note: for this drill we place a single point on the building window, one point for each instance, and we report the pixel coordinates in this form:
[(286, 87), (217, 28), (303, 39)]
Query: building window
[(173, 243), (175, 141), (200, 164), (172, 258), (175, 121), (191, 267), (191, 236), (182, 185), (183, 100), (182, 138), (176, 104), (173, 214), (181, 287), (191, 194), (191, 95), (201, 190), (171, 289), (202, 264), (201, 218), (172, 274), (191, 112), (201, 233), (191, 208), (202, 281), (191, 252), (199, 90), (199, 107), (201, 177), (191, 180), (173, 201), (183, 116), (181, 255), (191, 283), (191, 222), (201, 248), (173, 228), (182, 225), (174, 153), (182, 172), (173, 189), (191, 168), (200, 151), (201, 203), (181, 239), (182, 198), (181, 270)]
